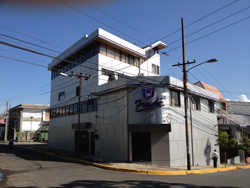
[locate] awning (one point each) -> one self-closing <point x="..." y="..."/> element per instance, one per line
<point x="149" y="127"/>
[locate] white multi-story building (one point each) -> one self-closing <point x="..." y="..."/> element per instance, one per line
<point x="29" y="121"/>
<point x="128" y="111"/>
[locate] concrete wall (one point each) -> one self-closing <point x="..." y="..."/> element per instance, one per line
<point x="112" y="126"/>
<point x="170" y="148"/>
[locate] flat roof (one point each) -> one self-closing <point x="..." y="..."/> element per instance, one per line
<point x="107" y="38"/>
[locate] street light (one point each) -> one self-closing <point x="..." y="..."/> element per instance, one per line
<point x="185" y="89"/>
<point x="186" y="101"/>
<point x="209" y="61"/>
<point x="79" y="78"/>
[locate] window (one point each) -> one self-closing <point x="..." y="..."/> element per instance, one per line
<point x="117" y="54"/>
<point x="130" y="60"/>
<point x="124" y="57"/>
<point x="104" y="71"/>
<point x="76" y="108"/>
<point x="175" y="98"/>
<point x="153" y="68"/>
<point x="77" y="91"/>
<point x="67" y="110"/>
<point x="211" y="106"/>
<point x="63" y="111"/>
<point x="148" y="54"/>
<point x="61" y="96"/>
<point x="196" y="103"/>
<point x="84" y="107"/>
<point x="136" y="62"/>
<point x="157" y="69"/>
<point x="103" y="49"/>
<point x="110" y="52"/>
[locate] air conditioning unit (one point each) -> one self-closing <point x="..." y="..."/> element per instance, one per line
<point x="111" y="77"/>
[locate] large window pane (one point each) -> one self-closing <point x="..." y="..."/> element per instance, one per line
<point x="67" y="110"/>
<point x="136" y="62"/>
<point x="110" y="52"/>
<point x="103" y="49"/>
<point x="71" y="109"/>
<point x="84" y="107"/>
<point x="90" y="53"/>
<point x="63" y="111"/>
<point x="117" y="55"/>
<point x="96" y="50"/>
<point x="130" y="60"/>
<point x="76" y="108"/>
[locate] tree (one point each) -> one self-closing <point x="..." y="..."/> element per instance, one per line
<point x="224" y="142"/>
<point x="245" y="145"/>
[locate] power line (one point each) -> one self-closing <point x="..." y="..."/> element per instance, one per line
<point x="99" y="21"/>
<point x="212" y="32"/>
<point x="118" y="20"/>
<point x="211" y="24"/>
<point x="200" y="19"/>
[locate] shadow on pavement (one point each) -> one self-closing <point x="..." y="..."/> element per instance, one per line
<point x="131" y="183"/>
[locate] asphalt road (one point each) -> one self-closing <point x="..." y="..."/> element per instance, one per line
<point x="24" y="168"/>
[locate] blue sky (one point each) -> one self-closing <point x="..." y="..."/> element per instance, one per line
<point x="59" y="26"/>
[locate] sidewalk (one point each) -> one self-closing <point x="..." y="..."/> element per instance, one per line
<point x="143" y="168"/>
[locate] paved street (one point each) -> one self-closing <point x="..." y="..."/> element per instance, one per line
<point x="25" y="168"/>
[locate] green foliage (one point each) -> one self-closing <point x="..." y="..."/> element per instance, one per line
<point x="223" y="140"/>
<point x="245" y="144"/>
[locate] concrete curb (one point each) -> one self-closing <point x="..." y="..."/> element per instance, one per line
<point x="152" y="172"/>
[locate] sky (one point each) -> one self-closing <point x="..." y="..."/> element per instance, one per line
<point x="213" y="29"/>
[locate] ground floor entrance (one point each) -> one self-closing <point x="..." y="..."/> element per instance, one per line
<point x="86" y="142"/>
<point x="141" y="146"/>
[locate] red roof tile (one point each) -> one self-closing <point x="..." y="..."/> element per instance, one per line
<point x="211" y="88"/>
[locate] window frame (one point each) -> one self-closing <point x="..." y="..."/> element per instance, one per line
<point x="178" y="98"/>
<point x="211" y="106"/>
<point x="61" y="96"/>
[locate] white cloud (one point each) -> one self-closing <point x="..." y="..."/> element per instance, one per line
<point x="243" y="98"/>
<point x="227" y="99"/>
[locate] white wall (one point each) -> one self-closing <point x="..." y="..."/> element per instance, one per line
<point x="175" y="141"/>
<point x="146" y="67"/>
<point x="31" y="126"/>
<point x="35" y="113"/>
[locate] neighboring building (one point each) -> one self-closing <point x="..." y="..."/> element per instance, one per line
<point x="240" y="113"/>
<point x="29" y="122"/>
<point x="228" y="123"/>
<point x="220" y="106"/>
<point x="2" y="126"/>
<point x="124" y="115"/>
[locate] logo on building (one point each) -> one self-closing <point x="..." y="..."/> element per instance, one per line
<point x="148" y="93"/>
<point x="151" y="103"/>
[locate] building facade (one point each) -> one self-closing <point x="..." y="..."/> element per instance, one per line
<point x="128" y="111"/>
<point x="2" y="126"/>
<point x="27" y="121"/>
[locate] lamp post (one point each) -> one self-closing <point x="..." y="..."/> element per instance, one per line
<point x="186" y="91"/>
<point x="79" y="78"/>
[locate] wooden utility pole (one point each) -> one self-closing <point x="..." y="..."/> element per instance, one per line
<point x="7" y="121"/>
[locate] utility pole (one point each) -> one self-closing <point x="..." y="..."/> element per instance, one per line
<point x="185" y="94"/>
<point x="79" y="79"/>
<point x="186" y="91"/>
<point x="6" y="123"/>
